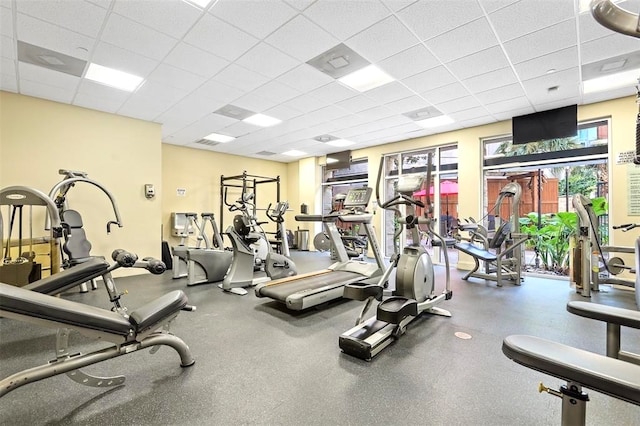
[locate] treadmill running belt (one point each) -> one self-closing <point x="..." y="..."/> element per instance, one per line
<point x="311" y="284"/>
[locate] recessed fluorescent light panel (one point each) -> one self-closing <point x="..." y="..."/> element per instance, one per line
<point x="367" y="78"/>
<point x="294" y="153"/>
<point x="340" y="142"/>
<point x="438" y="121"/>
<point x="262" y="120"/>
<point x="114" y="78"/>
<point x="612" y="81"/>
<point x="217" y="137"/>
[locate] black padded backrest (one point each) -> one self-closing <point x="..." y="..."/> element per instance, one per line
<point x="76" y="245"/>
<point x="241" y="225"/>
<point x="65" y="279"/>
<point x="501" y="234"/>
<point x="158" y="310"/>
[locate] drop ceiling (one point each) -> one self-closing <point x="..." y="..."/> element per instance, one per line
<point x="477" y="61"/>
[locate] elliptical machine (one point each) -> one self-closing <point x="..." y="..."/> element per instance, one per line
<point x="414" y="292"/>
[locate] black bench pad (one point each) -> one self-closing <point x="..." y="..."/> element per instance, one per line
<point x="25" y="302"/>
<point x="475" y="251"/>
<point x="609" y="314"/>
<point x="610" y="376"/>
<point x="57" y="283"/>
<point x="155" y="311"/>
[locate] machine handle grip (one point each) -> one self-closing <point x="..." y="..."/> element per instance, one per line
<point x="155" y="266"/>
<point x="124" y="258"/>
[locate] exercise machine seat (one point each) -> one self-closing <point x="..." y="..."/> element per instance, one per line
<point x="610" y="376"/>
<point x="477" y="252"/>
<point x="28" y="303"/>
<point x="76" y="245"/>
<point x="608" y="314"/>
<point x="396" y="308"/>
<point x="157" y="310"/>
<point x="68" y="278"/>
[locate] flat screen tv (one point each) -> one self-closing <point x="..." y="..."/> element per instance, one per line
<point x="338" y="160"/>
<point x="552" y="124"/>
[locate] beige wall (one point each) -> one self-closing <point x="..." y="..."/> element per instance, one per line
<point x="38" y="137"/>
<point x="198" y="172"/>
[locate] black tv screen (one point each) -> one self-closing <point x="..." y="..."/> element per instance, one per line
<point x="338" y="160"/>
<point x="552" y="124"/>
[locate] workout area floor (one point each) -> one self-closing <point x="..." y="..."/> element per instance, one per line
<point x="257" y="363"/>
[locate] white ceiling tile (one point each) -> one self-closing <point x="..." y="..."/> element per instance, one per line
<point x="344" y="19"/>
<point x="527" y="16"/>
<point x="44" y="91"/>
<point x="558" y="104"/>
<point x="384" y="39"/>
<point x="175" y="77"/>
<point x="66" y="14"/>
<point x="240" y="78"/>
<point x="357" y="103"/>
<point x="105" y="4"/>
<point x="376" y="113"/>
<point x="590" y="29"/>
<point x="112" y="56"/>
<point x="137" y="38"/>
<point x="609" y="46"/>
<point x="409" y="62"/>
<point x="172" y="17"/>
<point x="7" y="47"/>
<point x="146" y="104"/>
<point x="47" y="76"/>
<point x="611" y="94"/>
<point x="305" y="103"/>
<point x="102" y="98"/>
<point x="491" y="80"/>
<point x="561" y="60"/>
<point x="503" y="93"/>
<point x="333" y="92"/>
<point x="8" y="83"/>
<point x="218" y="37"/>
<point x="305" y="78"/>
<point x="567" y="81"/>
<point x="477" y="121"/>
<point x="189" y="110"/>
<point x="492" y="5"/>
<point x="7" y="66"/>
<point x="267" y="61"/>
<point x="347" y="121"/>
<point x="6" y="22"/>
<point x="328" y="113"/>
<point x="300" y="4"/>
<point x="301" y="39"/>
<point x="396" y="5"/>
<point x="557" y="37"/>
<point x="508" y="115"/>
<point x="221" y="92"/>
<point x="479" y="63"/>
<point x="162" y="95"/>
<point x="508" y="105"/>
<point x="457" y="105"/>
<point x="276" y="92"/>
<point x="429" y="80"/>
<point x="446" y="93"/>
<point x="53" y="37"/>
<point x="408" y="104"/>
<point x="204" y="126"/>
<point x="458" y="43"/>
<point x="431" y="18"/>
<point x="253" y="102"/>
<point x="195" y="60"/>
<point x="283" y="112"/>
<point x="258" y="18"/>
<point x="389" y="92"/>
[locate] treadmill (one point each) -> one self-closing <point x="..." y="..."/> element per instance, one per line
<point x="303" y="291"/>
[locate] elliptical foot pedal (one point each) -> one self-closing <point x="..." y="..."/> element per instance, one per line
<point x="235" y="290"/>
<point x="395" y="309"/>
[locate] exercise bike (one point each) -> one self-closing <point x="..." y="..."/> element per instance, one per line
<point x="414" y="292"/>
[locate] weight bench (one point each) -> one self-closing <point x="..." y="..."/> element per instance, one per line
<point x="69" y="278"/>
<point x="579" y="368"/>
<point x="614" y="317"/>
<point x="138" y="330"/>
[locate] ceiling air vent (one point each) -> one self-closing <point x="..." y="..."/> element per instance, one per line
<point x="265" y="153"/>
<point x="207" y="142"/>
<point x="45" y="58"/>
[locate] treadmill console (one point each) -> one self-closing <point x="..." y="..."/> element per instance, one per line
<point x="357" y="198"/>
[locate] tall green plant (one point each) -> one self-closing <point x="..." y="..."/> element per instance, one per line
<point x="551" y="240"/>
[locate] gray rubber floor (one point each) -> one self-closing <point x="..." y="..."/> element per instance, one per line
<point x="260" y="364"/>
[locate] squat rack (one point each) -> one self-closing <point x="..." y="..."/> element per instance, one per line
<point x="248" y="183"/>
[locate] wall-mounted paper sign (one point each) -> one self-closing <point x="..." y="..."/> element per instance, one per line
<point x="181" y="192"/>
<point x="633" y="188"/>
<point x="625" y="157"/>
